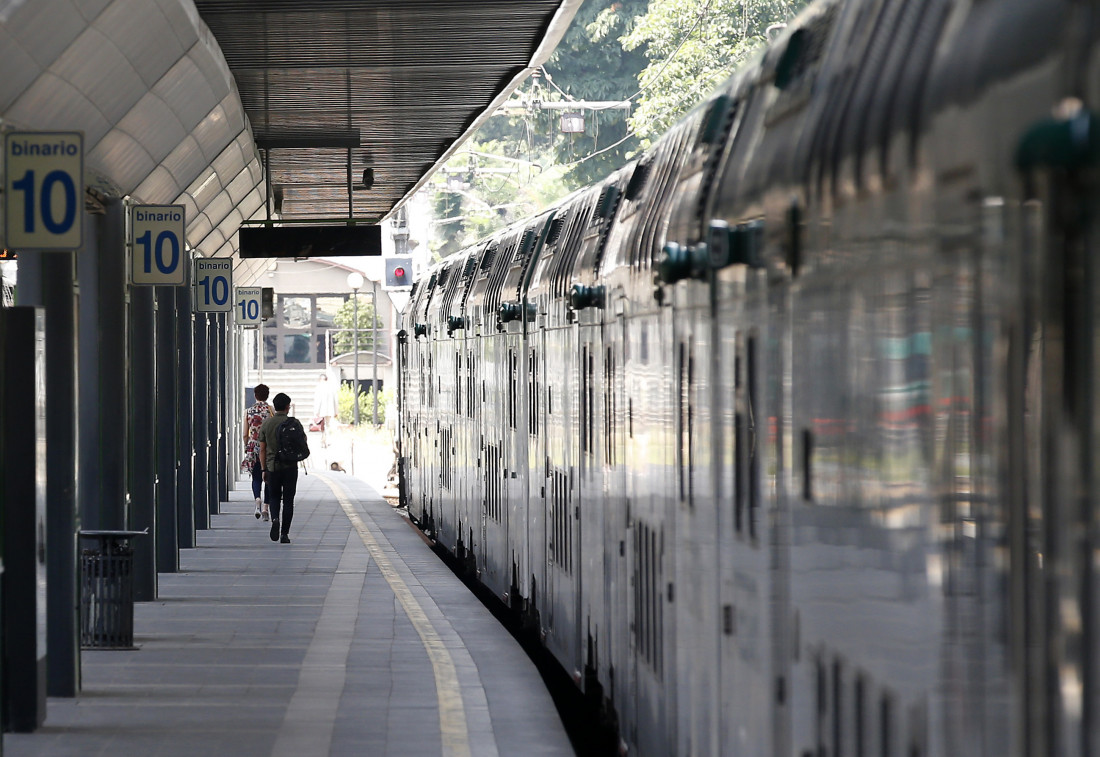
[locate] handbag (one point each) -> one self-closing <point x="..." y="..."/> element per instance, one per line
<point x="317" y="424"/>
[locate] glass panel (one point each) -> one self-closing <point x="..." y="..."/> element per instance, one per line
<point x="296" y="312"/>
<point x="319" y="339"/>
<point x="271" y="349"/>
<point x="296" y="348"/>
<point x="327" y="308"/>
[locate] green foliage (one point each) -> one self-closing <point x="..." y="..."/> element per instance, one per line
<point x="674" y="51"/>
<point x="591" y="64"/>
<point x="694" y="45"/>
<point x="536" y="163"/>
<point x="345" y="409"/>
<point x="345" y="319"/>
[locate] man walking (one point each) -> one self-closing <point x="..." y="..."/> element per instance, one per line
<point x="281" y="477"/>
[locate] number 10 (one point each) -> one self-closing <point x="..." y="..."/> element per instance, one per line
<point x="250" y="310"/>
<point x="26" y="186"/>
<point x="219" y="289"/>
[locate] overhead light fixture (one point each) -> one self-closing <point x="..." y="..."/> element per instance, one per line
<point x="368" y="180"/>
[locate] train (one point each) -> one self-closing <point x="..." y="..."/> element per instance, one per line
<point x="782" y="437"/>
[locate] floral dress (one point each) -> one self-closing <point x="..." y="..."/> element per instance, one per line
<point x="254" y="418"/>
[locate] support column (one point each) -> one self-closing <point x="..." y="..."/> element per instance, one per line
<point x="143" y="417"/>
<point x="200" y="394"/>
<point x="103" y="354"/>
<point x="49" y="280"/>
<point x="167" y="430"/>
<point x="23" y="506"/>
<point x="215" y="364"/>
<point x="185" y="381"/>
<point x="224" y="394"/>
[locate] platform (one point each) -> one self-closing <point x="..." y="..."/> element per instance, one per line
<point x="355" y="639"/>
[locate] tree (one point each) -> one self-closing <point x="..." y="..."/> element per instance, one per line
<point x="345" y="319"/>
<point x="591" y="63"/>
<point x="692" y="46"/>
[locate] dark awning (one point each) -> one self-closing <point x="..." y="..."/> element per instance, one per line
<point x="385" y="85"/>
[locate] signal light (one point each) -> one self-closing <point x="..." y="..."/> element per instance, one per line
<point x="398" y="273"/>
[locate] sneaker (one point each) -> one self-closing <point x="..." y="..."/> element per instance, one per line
<point x="284" y="539"/>
<point x="258" y="513"/>
<point x="274" y="529"/>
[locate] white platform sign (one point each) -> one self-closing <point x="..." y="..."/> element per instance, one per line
<point x="44" y="190"/>
<point x="247" y="311"/>
<point x="157" y="242"/>
<point x="213" y="285"/>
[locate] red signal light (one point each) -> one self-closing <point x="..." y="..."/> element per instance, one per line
<point x="399" y="271"/>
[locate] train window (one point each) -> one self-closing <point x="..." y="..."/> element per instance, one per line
<point x="585" y="415"/>
<point x="838" y="710"/>
<point x="690" y="431"/>
<point x="533" y="394"/>
<point x="859" y="704"/>
<point x="807" y="464"/>
<point x="681" y="368"/>
<point x="471" y="385"/>
<point x="590" y="402"/>
<point x="738" y="475"/>
<point x="821" y="709"/>
<point x="885" y="728"/>
<point x="753" y="480"/>
<point x="512" y="388"/>
<point x="609" y="407"/>
<point x="458" y="383"/>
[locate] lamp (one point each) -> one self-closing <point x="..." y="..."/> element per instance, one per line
<point x="355" y="281"/>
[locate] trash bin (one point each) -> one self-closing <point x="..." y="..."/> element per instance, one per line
<point x="107" y="590"/>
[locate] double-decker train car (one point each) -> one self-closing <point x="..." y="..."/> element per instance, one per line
<point x="782" y="437"/>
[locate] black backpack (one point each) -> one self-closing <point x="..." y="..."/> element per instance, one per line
<point x="293" y="446"/>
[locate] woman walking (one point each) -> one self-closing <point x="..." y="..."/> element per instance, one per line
<point x="254" y="417"/>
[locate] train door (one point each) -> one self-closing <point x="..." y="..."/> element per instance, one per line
<point x="538" y="467"/>
<point x="517" y="486"/>
<point x="590" y="504"/>
<point x="617" y="526"/>
<point x="563" y="530"/>
<point x="652" y="498"/>
<point x="693" y="594"/>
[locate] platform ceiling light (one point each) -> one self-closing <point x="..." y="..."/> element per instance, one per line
<point x="368" y="180"/>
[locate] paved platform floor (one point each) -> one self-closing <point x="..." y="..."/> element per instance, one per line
<point x="352" y="640"/>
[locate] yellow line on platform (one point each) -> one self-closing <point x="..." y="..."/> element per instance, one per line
<point x="452" y="712"/>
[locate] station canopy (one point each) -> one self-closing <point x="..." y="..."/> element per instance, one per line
<point x="352" y="104"/>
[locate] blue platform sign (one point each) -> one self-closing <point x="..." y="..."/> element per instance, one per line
<point x="157" y="244"/>
<point x="213" y="285"/>
<point x="43" y="190"/>
<point x="248" y="309"/>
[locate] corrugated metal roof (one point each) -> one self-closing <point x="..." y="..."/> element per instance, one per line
<point x="408" y="77"/>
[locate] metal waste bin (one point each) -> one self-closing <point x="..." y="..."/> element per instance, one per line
<point x="107" y="590"/>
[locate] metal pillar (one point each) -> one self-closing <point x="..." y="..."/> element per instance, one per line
<point x="374" y="351"/>
<point x="103" y="358"/>
<point x="48" y="280"/>
<point x="185" y="415"/>
<point x="200" y="437"/>
<point x="355" y="349"/>
<point x="23" y="503"/>
<point x="224" y="395"/>
<point x="142" y="415"/>
<point x="215" y="463"/>
<point x="167" y="433"/>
